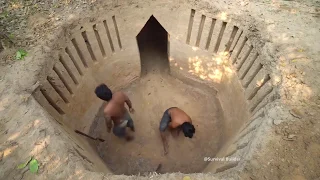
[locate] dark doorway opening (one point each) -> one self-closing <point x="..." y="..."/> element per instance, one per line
<point x="153" y="47"/>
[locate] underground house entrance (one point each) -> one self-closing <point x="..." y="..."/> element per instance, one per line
<point x="153" y="47"/>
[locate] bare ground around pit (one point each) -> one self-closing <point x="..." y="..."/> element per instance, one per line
<point x="294" y="151"/>
<point x="150" y="97"/>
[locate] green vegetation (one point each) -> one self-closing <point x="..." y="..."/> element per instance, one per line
<point x="33" y="165"/>
<point x="23" y="165"/>
<point x="4" y="14"/>
<point x="21" y="54"/>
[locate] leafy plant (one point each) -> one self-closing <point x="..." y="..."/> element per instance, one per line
<point x="23" y="165"/>
<point x="4" y="14"/>
<point x="11" y="36"/>
<point x="33" y="165"/>
<point x="21" y="54"/>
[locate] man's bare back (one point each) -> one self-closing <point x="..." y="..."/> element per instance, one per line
<point x="178" y="117"/>
<point x="175" y="118"/>
<point x="115" y="108"/>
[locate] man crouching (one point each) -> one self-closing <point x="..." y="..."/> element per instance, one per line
<point x="175" y="119"/>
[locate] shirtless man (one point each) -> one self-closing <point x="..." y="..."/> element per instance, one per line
<point x="116" y="112"/>
<point x="175" y="118"/>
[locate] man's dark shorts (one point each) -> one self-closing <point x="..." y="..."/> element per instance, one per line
<point x="120" y="130"/>
<point x="165" y="120"/>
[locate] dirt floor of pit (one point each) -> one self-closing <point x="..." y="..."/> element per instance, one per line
<point x="150" y="97"/>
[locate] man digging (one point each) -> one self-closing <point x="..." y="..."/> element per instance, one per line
<point x="177" y="120"/>
<point x="116" y="112"/>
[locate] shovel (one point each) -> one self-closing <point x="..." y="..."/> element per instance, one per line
<point x="86" y="135"/>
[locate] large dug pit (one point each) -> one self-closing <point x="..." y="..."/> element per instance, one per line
<point x="158" y="68"/>
<point x="217" y="68"/>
